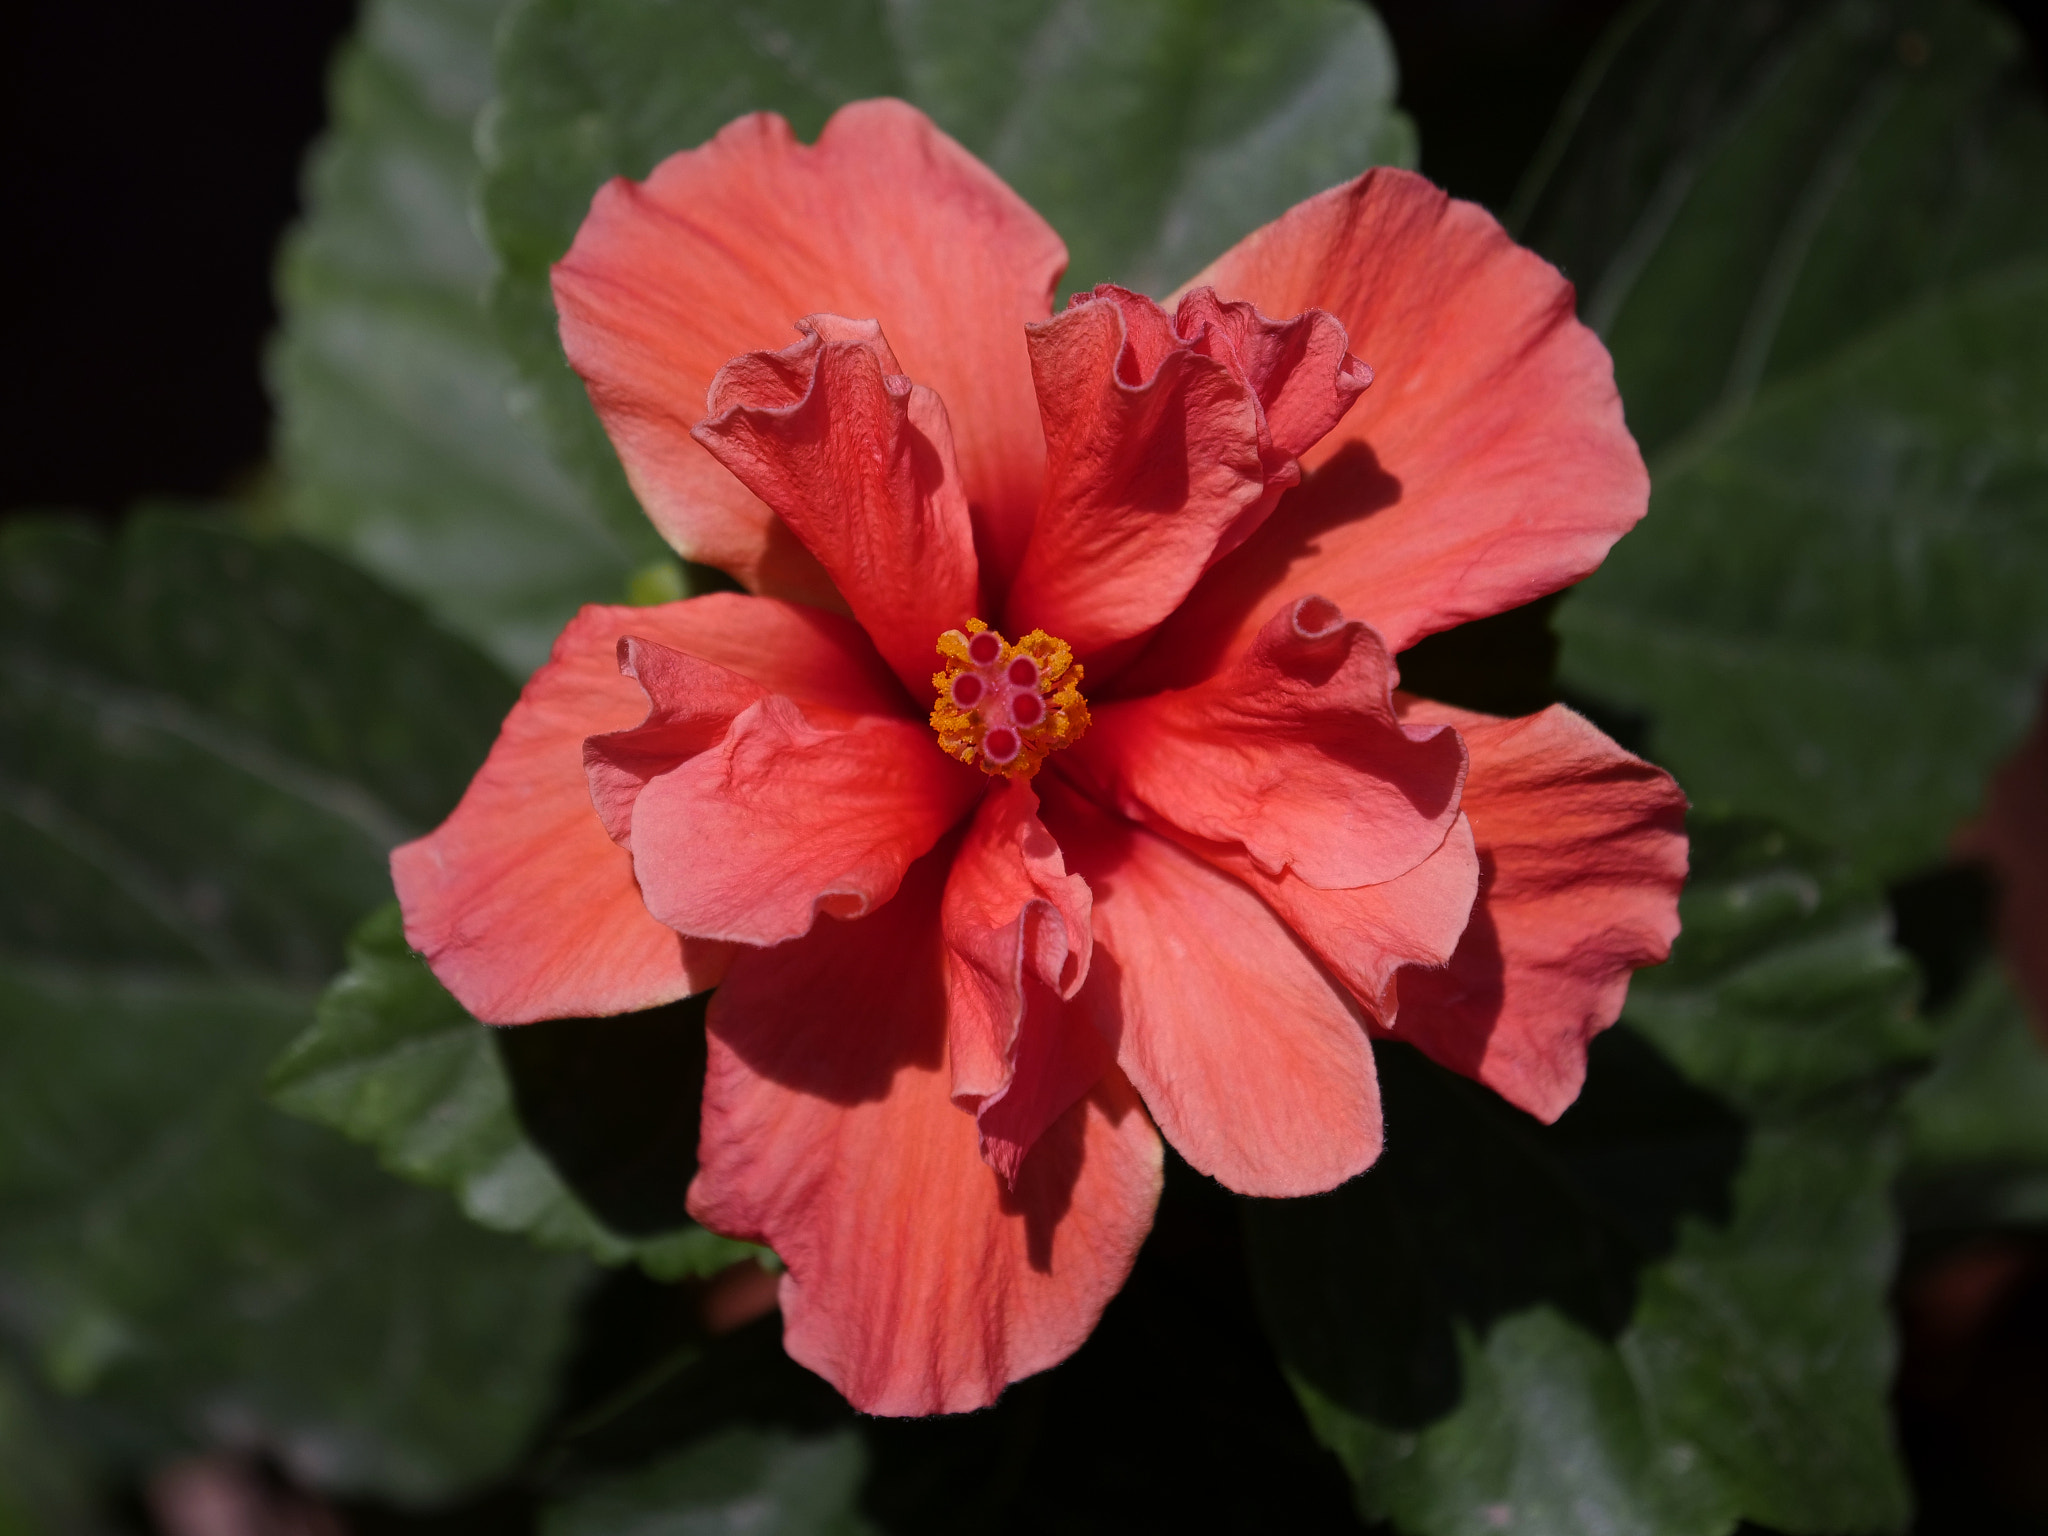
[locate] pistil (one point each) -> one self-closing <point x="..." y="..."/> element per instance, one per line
<point x="1004" y="707"/>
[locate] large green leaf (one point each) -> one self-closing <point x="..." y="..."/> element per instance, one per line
<point x="211" y="741"/>
<point x="1664" y="1313"/>
<point x="398" y="427"/>
<point x="175" y="1246"/>
<point x="1816" y="239"/>
<point x="394" y="1061"/>
<point x="1152" y="133"/>
<point x="208" y="741"/>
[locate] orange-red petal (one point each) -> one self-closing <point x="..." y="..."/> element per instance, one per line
<point x="1018" y="944"/>
<point x="725" y="246"/>
<point x="788" y="817"/>
<point x="1489" y="463"/>
<point x="1369" y="934"/>
<point x="858" y="462"/>
<point x="1293" y="753"/>
<point x="917" y="1281"/>
<point x="1582" y="852"/>
<point x="521" y="903"/>
<point x="691" y="704"/>
<point x="1168" y="439"/>
<point x="1252" y="1061"/>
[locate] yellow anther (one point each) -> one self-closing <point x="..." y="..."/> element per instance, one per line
<point x="1004" y="707"/>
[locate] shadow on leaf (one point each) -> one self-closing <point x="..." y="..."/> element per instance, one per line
<point x="614" y="1104"/>
<point x="1475" y="1212"/>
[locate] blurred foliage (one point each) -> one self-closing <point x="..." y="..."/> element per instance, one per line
<point x="47" y="1485"/>
<point x="400" y="429"/>
<point x="1979" y="1121"/>
<point x="210" y="740"/>
<point x="1816" y="239"/>
<point x="394" y="1061"/>
<point x="763" y="1482"/>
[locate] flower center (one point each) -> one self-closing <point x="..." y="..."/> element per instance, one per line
<point x="1003" y="707"/>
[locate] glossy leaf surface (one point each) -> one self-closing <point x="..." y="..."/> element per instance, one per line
<point x="207" y="742"/>
<point x="394" y="1061"/>
<point x="1816" y="239"/>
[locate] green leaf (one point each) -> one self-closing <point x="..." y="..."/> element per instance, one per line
<point x="177" y="1248"/>
<point x="1659" y="1315"/>
<point x="1152" y="133"/>
<point x="1978" y="1123"/>
<point x="1784" y="985"/>
<point x="208" y="741"/>
<point x="400" y="431"/>
<point x="394" y="1061"/>
<point x="47" y="1481"/>
<point x="761" y="1481"/>
<point x="1816" y="240"/>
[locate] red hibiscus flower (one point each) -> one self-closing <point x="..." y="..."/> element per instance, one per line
<point x="1051" y="785"/>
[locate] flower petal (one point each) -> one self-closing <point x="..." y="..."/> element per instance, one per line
<point x="691" y="705"/>
<point x="1167" y="441"/>
<point x="1582" y="853"/>
<point x="787" y="817"/>
<point x="858" y="463"/>
<point x="1018" y="942"/>
<point x="766" y="647"/>
<point x="522" y="905"/>
<point x="917" y="1282"/>
<point x="1255" y="1065"/>
<point x="724" y="246"/>
<point x="1369" y="934"/>
<point x="1294" y="752"/>
<point x="1488" y="465"/>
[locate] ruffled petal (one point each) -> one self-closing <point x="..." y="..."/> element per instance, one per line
<point x="1293" y="753"/>
<point x="691" y="705"/>
<point x="917" y="1281"/>
<point x="1256" y="1067"/>
<point x="1018" y="943"/>
<point x="787" y="817"/>
<point x="1367" y="936"/>
<point x="723" y="247"/>
<point x="858" y="463"/>
<point x="522" y="905"/>
<point x="1488" y="465"/>
<point x="1582" y="853"/>
<point x="763" y="646"/>
<point x="1168" y="440"/>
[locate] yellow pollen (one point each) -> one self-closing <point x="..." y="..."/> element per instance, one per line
<point x="1004" y="707"/>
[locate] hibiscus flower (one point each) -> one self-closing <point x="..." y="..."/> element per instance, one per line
<point x="1049" y="790"/>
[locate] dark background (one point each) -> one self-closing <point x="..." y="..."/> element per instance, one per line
<point x="149" y="161"/>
